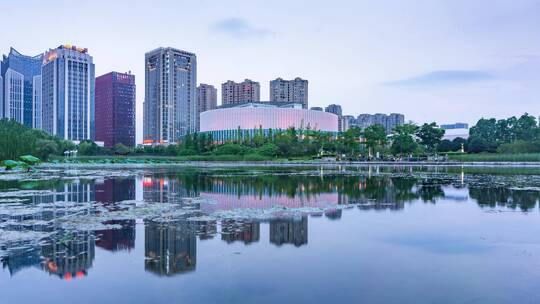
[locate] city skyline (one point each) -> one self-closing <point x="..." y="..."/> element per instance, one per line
<point x="456" y="69"/>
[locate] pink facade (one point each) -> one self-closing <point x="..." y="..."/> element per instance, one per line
<point x="248" y="118"/>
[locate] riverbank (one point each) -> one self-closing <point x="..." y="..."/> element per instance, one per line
<point x="287" y="163"/>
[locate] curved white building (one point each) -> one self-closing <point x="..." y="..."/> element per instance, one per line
<point x="225" y="122"/>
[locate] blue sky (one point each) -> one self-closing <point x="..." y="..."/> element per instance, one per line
<point x="433" y="60"/>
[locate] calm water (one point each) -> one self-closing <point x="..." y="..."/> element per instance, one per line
<point x="271" y="235"/>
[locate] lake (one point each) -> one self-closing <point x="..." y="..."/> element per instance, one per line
<point x="367" y="234"/>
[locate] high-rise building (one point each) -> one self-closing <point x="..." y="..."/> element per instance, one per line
<point x="288" y="91"/>
<point x="246" y="91"/>
<point x="393" y="120"/>
<point x="389" y="122"/>
<point x="336" y="109"/>
<point x="206" y="98"/>
<point x="68" y="93"/>
<point x="347" y="121"/>
<point x="115" y="109"/>
<point x="170" y="105"/>
<point x="364" y="120"/>
<point x="20" y="88"/>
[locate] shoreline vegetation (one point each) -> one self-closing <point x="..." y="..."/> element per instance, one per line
<point x="512" y="140"/>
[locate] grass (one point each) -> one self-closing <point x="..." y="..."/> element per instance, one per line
<point x="496" y="157"/>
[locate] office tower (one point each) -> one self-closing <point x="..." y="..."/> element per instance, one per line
<point x="206" y="98"/>
<point x="336" y="109"/>
<point x="316" y="109"/>
<point x="170" y="105"/>
<point x="68" y="93"/>
<point x="289" y="91"/>
<point x="115" y="109"/>
<point x="20" y="88"/>
<point x="247" y="91"/>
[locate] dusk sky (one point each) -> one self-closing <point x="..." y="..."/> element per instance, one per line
<point x="443" y="61"/>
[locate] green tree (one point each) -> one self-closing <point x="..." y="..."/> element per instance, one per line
<point x="430" y="136"/>
<point x="46" y="147"/>
<point x="350" y="140"/>
<point x="526" y="128"/>
<point x="375" y="136"/>
<point x="403" y="141"/>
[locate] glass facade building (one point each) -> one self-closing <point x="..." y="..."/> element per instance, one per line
<point x="251" y="118"/>
<point x="170" y="104"/>
<point x="115" y="109"/>
<point x="20" y="88"/>
<point x="68" y="93"/>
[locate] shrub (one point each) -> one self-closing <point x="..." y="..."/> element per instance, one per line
<point x="520" y="146"/>
<point x="256" y="157"/>
<point x="231" y="149"/>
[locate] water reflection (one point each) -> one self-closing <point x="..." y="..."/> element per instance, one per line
<point x="240" y="230"/>
<point x="69" y="257"/>
<point x="289" y="231"/>
<point x="170" y="248"/>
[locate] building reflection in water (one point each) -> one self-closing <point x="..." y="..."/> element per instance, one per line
<point x="113" y="190"/>
<point x="117" y="239"/>
<point x="169" y="248"/>
<point x="70" y="256"/>
<point x="240" y="230"/>
<point x="333" y="214"/>
<point x="160" y="189"/>
<point x="110" y="191"/>
<point x="289" y="231"/>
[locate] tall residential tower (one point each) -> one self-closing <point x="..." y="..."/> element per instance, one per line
<point x="206" y="98"/>
<point x="170" y="105"/>
<point x="115" y="109"/>
<point x="289" y="91"/>
<point x="68" y="93"/>
<point x="246" y="91"/>
<point x="20" y="88"/>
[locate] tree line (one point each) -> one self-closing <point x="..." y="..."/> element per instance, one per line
<point x="511" y="135"/>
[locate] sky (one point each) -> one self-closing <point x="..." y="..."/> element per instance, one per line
<point x="432" y="60"/>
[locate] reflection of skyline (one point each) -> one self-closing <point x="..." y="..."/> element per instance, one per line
<point x="117" y="239"/>
<point x="71" y="256"/>
<point x="113" y="190"/>
<point x="169" y="248"/>
<point x="159" y="189"/>
<point x="245" y="231"/>
<point x="289" y="231"/>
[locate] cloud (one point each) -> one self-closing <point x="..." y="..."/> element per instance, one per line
<point x="445" y="77"/>
<point x="240" y="29"/>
